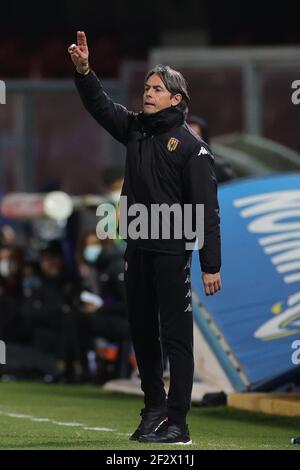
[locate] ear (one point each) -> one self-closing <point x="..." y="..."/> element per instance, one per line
<point x="176" y="99"/>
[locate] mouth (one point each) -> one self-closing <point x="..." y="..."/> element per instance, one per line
<point x="147" y="103"/>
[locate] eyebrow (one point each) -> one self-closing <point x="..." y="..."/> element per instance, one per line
<point x="154" y="86"/>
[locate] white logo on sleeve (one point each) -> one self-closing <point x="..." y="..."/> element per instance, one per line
<point x="203" y="151"/>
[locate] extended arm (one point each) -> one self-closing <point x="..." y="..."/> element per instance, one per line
<point x="113" y="117"/>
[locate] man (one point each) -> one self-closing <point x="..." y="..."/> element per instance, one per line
<point x="48" y="312"/>
<point x="223" y="169"/>
<point x="165" y="164"/>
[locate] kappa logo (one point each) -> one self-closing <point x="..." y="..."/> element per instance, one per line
<point x="203" y="151"/>
<point x="172" y="144"/>
<point x="188" y="265"/>
<point x="189" y="294"/>
<point x="189" y="308"/>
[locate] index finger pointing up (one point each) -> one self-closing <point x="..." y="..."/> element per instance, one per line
<point x="81" y="38"/>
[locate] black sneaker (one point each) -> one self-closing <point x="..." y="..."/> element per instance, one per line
<point x="151" y="418"/>
<point x="168" y="433"/>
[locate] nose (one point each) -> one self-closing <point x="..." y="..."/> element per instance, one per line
<point x="148" y="94"/>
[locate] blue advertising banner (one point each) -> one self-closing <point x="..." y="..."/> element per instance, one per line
<point x="258" y="309"/>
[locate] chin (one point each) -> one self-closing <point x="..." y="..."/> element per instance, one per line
<point x="149" y="111"/>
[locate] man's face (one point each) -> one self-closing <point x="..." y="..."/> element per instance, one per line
<point x="9" y="263"/>
<point x="157" y="97"/>
<point x="51" y="265"/>
<point x="196" y="128"/>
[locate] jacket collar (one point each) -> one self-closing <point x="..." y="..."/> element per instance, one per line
<point x="162" y="121"/>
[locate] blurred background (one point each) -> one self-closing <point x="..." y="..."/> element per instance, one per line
<point x="47" y="137"/>
<point x="63" y="313"/>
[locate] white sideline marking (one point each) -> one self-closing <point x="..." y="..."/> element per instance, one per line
<point x="58" y="423"/>
<point x="87" y="428"/>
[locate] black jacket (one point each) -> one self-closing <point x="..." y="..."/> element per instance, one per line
<point x="160" y="170"/>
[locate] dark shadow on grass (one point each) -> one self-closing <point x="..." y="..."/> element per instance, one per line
<point x="249" y="417"/>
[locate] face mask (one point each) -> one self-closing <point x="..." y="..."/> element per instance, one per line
<point x="92" y="252"/>
<point x="7" y="268"/>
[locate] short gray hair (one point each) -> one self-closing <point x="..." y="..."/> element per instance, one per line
<point x="174" y="83"/>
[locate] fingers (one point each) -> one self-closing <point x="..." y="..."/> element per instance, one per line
<point x="81" y="39"/>
<point x="76" y="53"/>
<point x="217" y="286"/>
<point x="211" y="285"/>
<point x="209" y="288"/>
<point x="72" y="52"/>
<point x="72" y="48"/>
<point x="74" y="56"/>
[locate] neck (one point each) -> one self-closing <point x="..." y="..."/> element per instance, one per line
<point x="162" y="121"/>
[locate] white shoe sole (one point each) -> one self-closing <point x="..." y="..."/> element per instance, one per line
<point x="180" y="443"/>
<point x="170" y="443"/>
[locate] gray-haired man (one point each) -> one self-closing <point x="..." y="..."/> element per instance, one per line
<point x="166" y="164"/>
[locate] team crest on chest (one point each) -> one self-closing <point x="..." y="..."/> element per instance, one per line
<point x="172" y="144"/>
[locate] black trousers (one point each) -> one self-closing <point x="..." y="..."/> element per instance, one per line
<point x="159" y="303"/>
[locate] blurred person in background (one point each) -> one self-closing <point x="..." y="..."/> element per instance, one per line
<point x="199" y="125"/>
<point x="49" y="313"/>
<point x="14" y="329"/>
<point x="8" y="235"/>
<point x="223" y="169"/>
<point x="113" y="179"/>
<point x="31" y="280"/>
<point x="31" y="277"/>
<point x="11" y="261"/>
<point x="101" y="268"/>
<point x="89" y="250"/>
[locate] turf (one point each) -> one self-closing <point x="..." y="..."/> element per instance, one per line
<point x="211" y="428"/>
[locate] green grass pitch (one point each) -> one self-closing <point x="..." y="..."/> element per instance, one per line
<point x="37" y="416"/>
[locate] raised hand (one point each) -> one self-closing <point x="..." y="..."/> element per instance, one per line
<point x="80" y="53"/>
